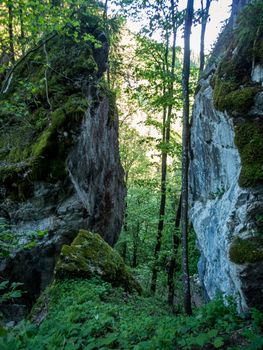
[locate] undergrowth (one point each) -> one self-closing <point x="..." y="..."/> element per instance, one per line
<point x="90" y="314"/>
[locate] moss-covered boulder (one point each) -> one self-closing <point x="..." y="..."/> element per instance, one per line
<point x="88" y="256"/>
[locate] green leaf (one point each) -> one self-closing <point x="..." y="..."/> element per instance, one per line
<point x="201" y="339"/>
<point x="15" y="294"/>
<point x="212" y="333"/>
<point x="3" y="285"/>
<point x="30" y="245"/>
<point x="218" y="342"/>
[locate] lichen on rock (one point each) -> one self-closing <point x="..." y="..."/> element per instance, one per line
<point x="89" y="256"/>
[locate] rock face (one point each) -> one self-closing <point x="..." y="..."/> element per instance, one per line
<point x="90" y="256"/>
<point x="60" y="169"/>
<point x="226" y="168"/>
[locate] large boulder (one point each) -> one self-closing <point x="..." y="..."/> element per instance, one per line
<point x="89" y="256"/>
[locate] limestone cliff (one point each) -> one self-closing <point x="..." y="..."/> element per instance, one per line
<point x="60" y="169"/>
<point x="226" y="167"/>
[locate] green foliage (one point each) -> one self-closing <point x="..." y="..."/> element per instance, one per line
<point x="9" y="291"/>
<point x="11" y="241"/>
<point x="92" y="315"/>
<point x="33" y="19"/>
<point x="248" y="250"/>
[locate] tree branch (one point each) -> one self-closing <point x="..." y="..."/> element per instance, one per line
<point x="9" y="75"/>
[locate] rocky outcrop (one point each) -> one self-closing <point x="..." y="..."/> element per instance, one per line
<point x="90" y="256"/>
<point x="60" y="169"/>
<point x="226" y="168"/>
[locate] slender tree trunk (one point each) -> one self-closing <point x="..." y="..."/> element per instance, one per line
<point x="135" y="245"/>
<point x="185" y="156"/>
<point x="162" y="208"/>
<point x="172" y="265"/>
<point x="11" y="31"/>
<point x="125" y="229"/>
<point x="205" y="15"/>
<point x="22" y="29"/>
<point x="105" y="17"/>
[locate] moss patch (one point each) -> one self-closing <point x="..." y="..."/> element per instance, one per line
<point x="88" y="256"/>
<point x="247" y="250"/>
<point x="249" y="140"/>
<point x="233" y="89"/>
<point x="234" y="101"/>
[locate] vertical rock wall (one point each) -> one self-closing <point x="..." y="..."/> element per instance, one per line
<point x="226" y="194"/>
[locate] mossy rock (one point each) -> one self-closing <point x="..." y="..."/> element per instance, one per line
<point x="235" y="101"/>
<point x="233" y="89"/>
<point x="248" y="250"/>
<point x="235" y="92"/>
<point x="249" y="140"/>
<point x="89" y="256"/>
<point x="34" y="134"/>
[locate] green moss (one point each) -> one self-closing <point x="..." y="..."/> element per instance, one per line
<point x="89" y="255"/>
<point x="259" y="52"/>
<point x="248" y="138"/>
<point x="236" y="101"/>
<point x="112" y="106"/>
<point x="30" y="134"/>
<point x="248" y="250"/>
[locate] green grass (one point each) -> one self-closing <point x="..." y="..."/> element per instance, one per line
<point x="90" y="314"/>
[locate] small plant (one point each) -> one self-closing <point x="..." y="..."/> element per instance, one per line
<point x="9" y="291"/>
<point x="11" y="241"/>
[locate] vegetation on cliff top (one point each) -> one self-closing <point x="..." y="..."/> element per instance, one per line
<point x="235" y="92"/>
<point x="38" y="128"/>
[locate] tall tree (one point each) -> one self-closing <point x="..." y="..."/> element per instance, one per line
<point x="167" y="116"/>
<point x="204" y="19"/>
<point x="185" y="156"/>
<point x="11" y="30"/>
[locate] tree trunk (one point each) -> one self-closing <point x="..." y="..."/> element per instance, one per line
<point x="135" y="245"/>
<point x="205" y="15"/>
<point x="22" y="30"/>
<point x="105" y="17"/>
<point x="125" y="229"/>
<point x="11" y="31"/>
<point x="161" y="210"/>
<point x="172" y="265"/>
<point x="185" y="157"/>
